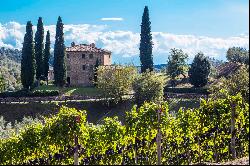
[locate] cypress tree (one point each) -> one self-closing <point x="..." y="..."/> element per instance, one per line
<point x="39" y="52"/>
<point x="199" y="70"/>
<point x="146" y="43"/>
<point x="59" y="55"/>
<point x="28" y="59"/>
<point x="46" y="56"/>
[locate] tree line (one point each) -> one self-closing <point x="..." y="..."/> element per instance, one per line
<point x="35" y="56"/>
<point x="177" y="65"/>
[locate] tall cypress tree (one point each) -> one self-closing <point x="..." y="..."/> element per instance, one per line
<point x="28" y="59"/>
<point x="59" y="55"/>
<point x="46" y="56"/>
<point x="146" y="43"/>
<point x="39" y="52"/>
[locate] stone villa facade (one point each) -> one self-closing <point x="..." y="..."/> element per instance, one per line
<point x="80" y="62"/>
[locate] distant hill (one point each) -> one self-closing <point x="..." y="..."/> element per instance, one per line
<point x="11" y="54"/>
<point x="157" y="68"/>
<point x="10" y="68"/>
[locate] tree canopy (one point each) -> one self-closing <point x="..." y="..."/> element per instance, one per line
<point x="176" y="63"/>
<point x="199" y="71"/>
<point x="238" y="54"/>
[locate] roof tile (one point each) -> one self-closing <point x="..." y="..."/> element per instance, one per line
<point x="86" y="48"/>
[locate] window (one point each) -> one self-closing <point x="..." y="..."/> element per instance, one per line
<point x="109" y="56"/>
<point x="90" y="56"/>
<point x="83" y="67"/>
<point x="67" y="55"/>
<point x="91" y="67"/>
<point x="83" y="56"/>
<point x="68" y="68"/>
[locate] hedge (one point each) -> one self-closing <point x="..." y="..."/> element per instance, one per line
<point x="186" y="90"/>
<point x="23" y="93"/>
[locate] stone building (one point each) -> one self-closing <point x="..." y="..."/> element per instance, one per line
<point x="80" y="61"/>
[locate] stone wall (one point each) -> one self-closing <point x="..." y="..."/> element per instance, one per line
<point x="80" y="67"/>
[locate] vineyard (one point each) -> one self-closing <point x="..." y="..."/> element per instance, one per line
<point x="217" y="131"/>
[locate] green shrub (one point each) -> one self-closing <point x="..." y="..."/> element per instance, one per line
<point x="148" y="87"/>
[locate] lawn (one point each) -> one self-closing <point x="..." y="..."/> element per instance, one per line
<point x="68" y="91"/>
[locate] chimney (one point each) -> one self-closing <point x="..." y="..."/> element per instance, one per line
<point x="92" y="45"/>
<point x="73" y="44"/>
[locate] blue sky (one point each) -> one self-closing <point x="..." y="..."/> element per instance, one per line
<point x="213" y="19"/>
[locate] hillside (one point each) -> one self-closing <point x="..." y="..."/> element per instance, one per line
<point x="10" y="67"/>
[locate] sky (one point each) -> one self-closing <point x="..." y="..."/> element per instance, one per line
<point x="210" y="26"/>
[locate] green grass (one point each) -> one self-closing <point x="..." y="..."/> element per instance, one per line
<point x="68" y="91"/>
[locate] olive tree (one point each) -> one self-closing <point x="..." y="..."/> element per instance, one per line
<point x="115" y="81"/>
<point x="149" y="86"/>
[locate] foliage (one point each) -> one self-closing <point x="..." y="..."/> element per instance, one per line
<point x="190" y="136"/>
<point x="46" y="56"/>
<point x="148" y="87"/>
<point x="39" y="49"/>
<point x="238" y="54"/>
<point x="28" y="58"/>
<point x="146" y="56"/>
<point x="7" y="129"/>
<point x="10" y="71"/>
<point x="2" y="84"/>
<point x="24" y="93"/>
<point x="236" y="83"/>
<point x="115" y="81"/>
<point x="199" y="71"/>
<point x="59" y="55"/>
<point x="176" y="64"/>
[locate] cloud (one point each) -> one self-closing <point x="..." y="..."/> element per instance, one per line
<point x="125" y="44"/>
<point x="112" y="19"/>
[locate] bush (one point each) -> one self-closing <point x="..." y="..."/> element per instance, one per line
<point x="199" y="71"/>
<point x="115" y="81"/>
<point x="24" y="93"/>
<point x="148" y="87"/>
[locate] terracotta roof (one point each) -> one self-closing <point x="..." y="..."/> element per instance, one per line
<point x="86" y="48"/>
<point x="227" y="69"/>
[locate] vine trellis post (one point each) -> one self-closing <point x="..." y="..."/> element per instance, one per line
<point x="233" y="131"/>
<point x="76" y="157"/>
<point x="158" y="138"/>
